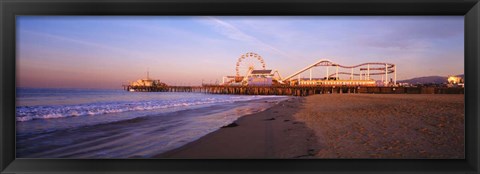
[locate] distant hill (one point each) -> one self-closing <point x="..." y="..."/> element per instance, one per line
<point x="425" y="80"/>
<point x="428" y="80"/>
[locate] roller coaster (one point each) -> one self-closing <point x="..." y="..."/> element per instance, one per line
<point x="363" y="71"/>
<point x="360" y="75"/>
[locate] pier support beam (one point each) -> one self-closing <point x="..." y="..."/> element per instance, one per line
<point x="395" y="75"/>
<point x="336" y="73"/>
<point x="386" y="74"/>
<point x="327" y="73"/>
<point x="351" y="75"/>
<point x="310" y="74"/>
<point x="299" y="80"/>
<point x="368" y="71"/>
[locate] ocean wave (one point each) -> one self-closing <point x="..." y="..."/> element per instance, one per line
<point x="27" y="113"/>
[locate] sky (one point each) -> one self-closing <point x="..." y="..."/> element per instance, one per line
<point x="108" y="51"/>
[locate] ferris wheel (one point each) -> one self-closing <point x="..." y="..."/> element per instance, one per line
<point x="248" y="62"/>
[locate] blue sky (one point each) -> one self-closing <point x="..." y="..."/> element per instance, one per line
<point x="105" y="52"/>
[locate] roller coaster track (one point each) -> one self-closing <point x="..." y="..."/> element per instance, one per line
<point x="355" y="74"/>
<point x="388" y="68"/>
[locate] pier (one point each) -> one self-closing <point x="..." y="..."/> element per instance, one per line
<point x="257" y="80"/>
<point x="300" y="90"/>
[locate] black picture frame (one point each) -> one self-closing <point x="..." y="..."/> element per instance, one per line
<point x="9" y="9"/>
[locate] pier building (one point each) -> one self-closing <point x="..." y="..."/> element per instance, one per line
<point x="260" y="78"/>
<point x="331" y="82"/>
<point x="145" y="84"/>
<point x="455" y="81"/>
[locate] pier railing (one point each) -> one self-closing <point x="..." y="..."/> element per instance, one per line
<point x="303" y="90"/>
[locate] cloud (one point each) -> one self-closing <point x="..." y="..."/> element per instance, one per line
<point x="178" y="32"/>
<point x="233" y="32"/>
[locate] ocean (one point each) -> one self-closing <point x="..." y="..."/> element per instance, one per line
<point x="92" y="123"/>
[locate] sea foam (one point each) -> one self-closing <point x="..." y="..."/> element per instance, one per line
<point x="27" y="113"/>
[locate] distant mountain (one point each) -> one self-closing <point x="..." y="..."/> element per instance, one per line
<point x="425" y="80"/>
<point x="428" y="80"/>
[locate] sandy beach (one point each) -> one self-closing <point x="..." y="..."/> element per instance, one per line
<point x="341" y="126"/>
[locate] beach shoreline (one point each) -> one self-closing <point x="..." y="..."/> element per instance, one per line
<point x="272" y="133"/>
<point x="396" y="126"/>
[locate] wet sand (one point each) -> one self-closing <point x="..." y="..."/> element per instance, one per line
<point x="342" y="126"/>
<point x="273" y="133"/>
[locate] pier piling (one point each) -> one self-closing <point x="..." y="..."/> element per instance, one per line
<point x="298" y="90"/>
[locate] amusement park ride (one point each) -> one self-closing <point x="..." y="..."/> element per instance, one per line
<point x="250" y="71"/>
<point x="247" y="74"/>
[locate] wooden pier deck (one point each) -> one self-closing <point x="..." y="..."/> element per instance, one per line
<point x="302" y="90"/>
